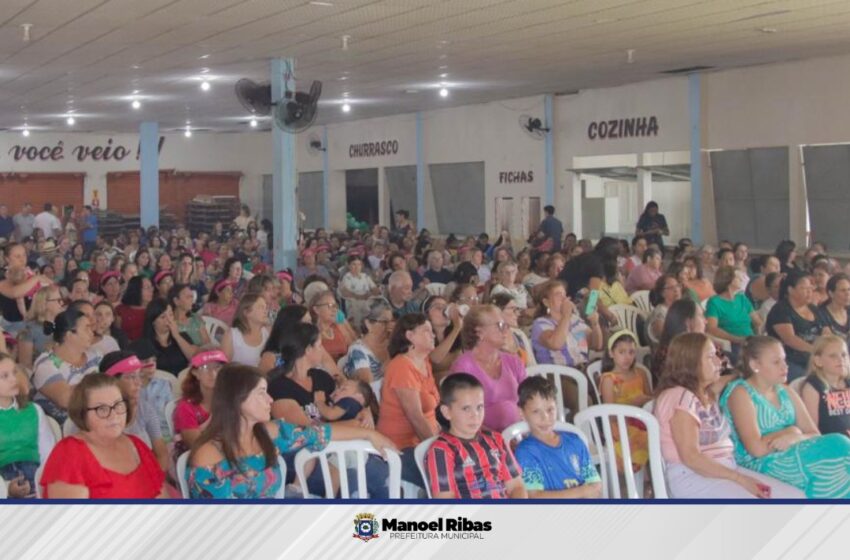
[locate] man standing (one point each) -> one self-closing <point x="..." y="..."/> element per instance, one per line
<point x="88" y="225"/>
<point x="550" y="232"/>
<point x="48" y="223"/>
<point x="24" y="222"/>
<point x="7" y="224"/>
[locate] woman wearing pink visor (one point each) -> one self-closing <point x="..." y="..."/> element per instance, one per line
<point x="192" y="413"/>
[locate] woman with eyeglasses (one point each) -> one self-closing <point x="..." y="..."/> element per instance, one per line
<point x="517" y="344"/>
<point x="192" y="413"/>
<point x="126" y="368"/>
<point x="70" y="360"/>
<point x="366" y="357"/>
<point x="32" y="340"/>
<point x="559" y="335"/>
<point x="666" y="291"/>
<point x="499" y="372"/>
<point x="101" y="461"/>
<point x="336" y="334"/>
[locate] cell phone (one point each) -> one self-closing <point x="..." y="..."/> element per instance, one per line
<point x="592" y="302"/>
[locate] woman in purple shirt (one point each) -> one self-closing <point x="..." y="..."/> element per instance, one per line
<point x="499" y="372"/>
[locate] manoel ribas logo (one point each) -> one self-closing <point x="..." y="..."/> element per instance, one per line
<point x="365" y="527"/>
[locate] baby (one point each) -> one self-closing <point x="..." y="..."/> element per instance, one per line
<point x="346" y="402"/>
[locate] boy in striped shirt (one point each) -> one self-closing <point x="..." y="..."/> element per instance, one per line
<point x="468" y="462"/>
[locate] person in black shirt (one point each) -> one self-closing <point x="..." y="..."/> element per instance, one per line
<point x="653" y="225"/>
<point x="173" y="348"/>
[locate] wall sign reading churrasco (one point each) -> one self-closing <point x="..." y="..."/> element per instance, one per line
<point x="372" y="149"/>
<point x="631" y="127"/>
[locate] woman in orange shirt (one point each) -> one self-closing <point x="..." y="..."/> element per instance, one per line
<point x="336" y="336"/>
<point x="409" y="395"/>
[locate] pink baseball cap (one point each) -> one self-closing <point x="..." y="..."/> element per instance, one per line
<point x="222" y="284"/>
<point x="107" y="275"/>
<point x="208" y="357"/>
<point x="162" y="274"/>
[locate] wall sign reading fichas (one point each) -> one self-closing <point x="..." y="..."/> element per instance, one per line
<point x="516" y="176"/>
<point x="372" y="149"/>
<point x="105" y="152"/>
<point x="623" y="128"/>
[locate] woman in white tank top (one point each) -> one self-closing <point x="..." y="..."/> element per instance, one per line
<point x="244" y="341"/>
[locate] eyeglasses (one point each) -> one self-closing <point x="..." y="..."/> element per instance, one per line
<point x="468" y="299"/>
<point x="330" y="305"/>
<point x="501" y="325"/>
<point x="104" y="411"/>
<point x="513" y="310"/>
<point x="673" y="287"/>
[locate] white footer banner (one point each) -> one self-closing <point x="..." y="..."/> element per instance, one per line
<point x="349" y="532"/>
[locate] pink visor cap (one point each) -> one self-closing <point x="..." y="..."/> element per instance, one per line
<point x="208" y="357"/>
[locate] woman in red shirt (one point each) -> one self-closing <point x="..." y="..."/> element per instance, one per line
<point x="131" y="313"/>
<point x="101" y="462"/>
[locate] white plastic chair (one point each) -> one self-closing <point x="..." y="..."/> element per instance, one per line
<point x="215" y="327"/>
<point x="419" y="453"/>
<point x="38" y="472"/>
<point x="339" y="450"/>
<point x="171" y="378"/>
<point x="641" y="300"/>
<point x="594" y="372"/>
<point x="68" y="427"/>
<point x="517" y="431"/>
<point x="183" y="481"/>
<point x="169" y="416"/>
<point x="436" y="288"/>
<point x="376" y="389"/>
<point x="54" y="427"/>
<point x="797" y="385"/>
<point x="4" y="491"/>
<point x="627" y="316"/>
<point x="601" y="416"/>
<point x="178" y="387"/>
<point x="558" y="373"/>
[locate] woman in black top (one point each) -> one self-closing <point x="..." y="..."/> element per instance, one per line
<point x="786" y="252"/>
<point x="173" y="348"/>
<point x="795" y="321"/>
<point x="652" y="225"/>
<point x="826" y="392"/>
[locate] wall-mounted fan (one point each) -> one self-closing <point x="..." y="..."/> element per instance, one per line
<point x="295" y="112"/>
<point x="533" y="127"/>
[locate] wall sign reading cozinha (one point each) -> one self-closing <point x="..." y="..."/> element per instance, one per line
<point x="372" y="149"/>
<point x="623" y="128"/>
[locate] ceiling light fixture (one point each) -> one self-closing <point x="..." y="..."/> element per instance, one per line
<point x="203" y="57"/>
<point x="188" y="133"/>
<point x="71" y="120"/>
<point x="253" y="122"/>
<point x="136" y="104"/>
<point x="322" y="4"/>
<point x="444" y="92"/>
<point x="26" y="132"/>
<point x="345" y="39"/>
<point x="346" y="107"/>
<point x="27" y="29"/>
<point x="205" y="86"/>
<point x="444" y="75"/>
<point x="768" y="29"/>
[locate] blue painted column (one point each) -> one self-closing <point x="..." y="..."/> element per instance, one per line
<point x="420" y="173"/>
<point x="326" y="181"/>
<point x="149" y="174"/>
<point x="284" y="202"/>
<point x="695" y="110"/>
<point x="548" y="115"/>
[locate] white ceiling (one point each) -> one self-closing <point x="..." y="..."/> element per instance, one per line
<point x="90" y="55"/>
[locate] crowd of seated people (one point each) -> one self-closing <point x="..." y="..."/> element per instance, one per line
<point x="158" y="365"/>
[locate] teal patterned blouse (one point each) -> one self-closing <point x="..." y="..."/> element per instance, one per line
<point x="251" y="479"/>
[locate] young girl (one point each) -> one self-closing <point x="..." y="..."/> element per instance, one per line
<point x="625" y="384"/>
<point x="25" y="437"/>
<point x="347" y="401"/>
<point x="826" y="391"/>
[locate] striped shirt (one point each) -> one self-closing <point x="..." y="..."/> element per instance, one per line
<point x="471" y="469"/>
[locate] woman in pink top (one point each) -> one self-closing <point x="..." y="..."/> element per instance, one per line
<point x="500" y="373"/>
<point x="695" y="440"/>
<point x="644" y="276"/>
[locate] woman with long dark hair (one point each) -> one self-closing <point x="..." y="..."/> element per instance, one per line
<point x="173" y="348"/>
<point x="131" y="312"/>
<point x="652" y="225"/>
<point x="237" y="454"/>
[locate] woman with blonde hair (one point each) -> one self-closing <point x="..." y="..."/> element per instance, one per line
<point x="826" y="390"/>
<point x="32" y="341"/>
<point x="774" y="434"/>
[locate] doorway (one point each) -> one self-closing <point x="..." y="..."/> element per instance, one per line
<point x="361" y="195"/>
